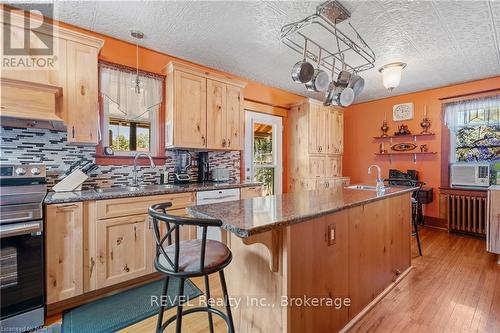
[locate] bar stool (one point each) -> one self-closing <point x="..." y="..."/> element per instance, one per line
<point x="414" y="203"/>
<point x="186" y="259"/>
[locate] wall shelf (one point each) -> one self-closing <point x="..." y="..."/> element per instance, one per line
<point x="414" y="153"/>
<point x="414" y="136"/>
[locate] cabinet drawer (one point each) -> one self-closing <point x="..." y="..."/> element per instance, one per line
<point x="139" y="205"/>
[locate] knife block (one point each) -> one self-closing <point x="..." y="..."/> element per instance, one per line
<point x="71" y="182"/>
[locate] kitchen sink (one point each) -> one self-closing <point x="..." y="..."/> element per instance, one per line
<point x="119" y="189"/>
<point x="365" y="187"/>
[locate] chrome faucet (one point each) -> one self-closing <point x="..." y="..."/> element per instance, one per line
<point x="152" y="165"/>
<point x="380" y="181"/>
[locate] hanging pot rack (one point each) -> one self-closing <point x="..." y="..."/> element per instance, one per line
<point x="328" y="15"/>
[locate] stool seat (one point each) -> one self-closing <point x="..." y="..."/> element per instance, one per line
<point x="216" y="254"/>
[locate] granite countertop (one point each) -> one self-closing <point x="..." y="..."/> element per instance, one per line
<point x="86" y="195"/>
<point x="248" y="217"/>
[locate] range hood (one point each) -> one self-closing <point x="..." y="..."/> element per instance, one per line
<point x="28" y="104"/>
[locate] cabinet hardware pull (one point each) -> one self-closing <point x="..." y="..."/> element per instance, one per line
<point x="229" y="142"/>
<point x="73" y="131"/>
<point x="397" y="271"/>
<point x="126" y="269"/>
<point x="223" y="142"/>
<point x="203" y="139"/>
<point x="67" y="206"/>
<point x="92" y="263"/>
<point x="82" y="90"/>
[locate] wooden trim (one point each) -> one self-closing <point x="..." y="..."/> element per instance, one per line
<point x="464" y="191"/>
<point x="206" y="73"/>
<point x="55" y="308"/>
<point x="126" y="160"/>
<point x="372" y="304"/>
<point x="256" y="106"/>
<point x="435" y="223"/>
<point x="482" y="93"/>
<point x="128" y="69"/>
<point x="445" y="152"/>
<point x="55" y="90"/>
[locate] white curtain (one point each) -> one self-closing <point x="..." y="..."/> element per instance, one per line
<point x="118" y="87"/>
<point x="474" y="112"/>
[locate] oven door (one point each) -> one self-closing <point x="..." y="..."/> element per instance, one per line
<point x="21" y="268"/>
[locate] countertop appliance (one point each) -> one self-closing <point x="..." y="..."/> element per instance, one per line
<point x="211" y="197"/>
<point x="23" y="188"/>
<point x="220" y="175"/>
<point x="203" y="167"/>
<point x="470" y="174"/>
<point x="182" y="164"/>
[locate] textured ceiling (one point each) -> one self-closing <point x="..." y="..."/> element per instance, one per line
<point x="443" y="42"/>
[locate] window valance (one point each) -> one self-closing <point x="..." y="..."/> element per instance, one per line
<point x="474" y="112"/>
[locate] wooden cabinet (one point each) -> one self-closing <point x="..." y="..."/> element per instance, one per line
<point x="217" y="114"/>
<point x="250" y="192"/>
<point x="83" y="110"/>
<point x="187" y="121"/>
<point x="73" y="70"/>
<point x="225" y="112"/>
<point x="235" y="118"/>
<point x="320" y="156"/>
<point x="121" y="240"/>
<point x="204" y="111"/>
<point x="123" y="249"/>
<point x="64" y="251"/>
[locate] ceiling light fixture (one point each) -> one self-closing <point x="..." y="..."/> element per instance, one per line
<point x="391" y="74"/>
<point x="136" y="83"/>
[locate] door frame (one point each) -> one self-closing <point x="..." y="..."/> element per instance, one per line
<point x="251" y="118"/>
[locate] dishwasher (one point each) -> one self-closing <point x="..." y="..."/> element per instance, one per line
<point x="211" y="197"/>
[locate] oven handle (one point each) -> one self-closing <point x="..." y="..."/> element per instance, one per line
<point x="19" y="229"/>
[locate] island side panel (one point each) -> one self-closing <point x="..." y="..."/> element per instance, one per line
<point x="317" y="272"/>
<point x="250" y="278"/>
<point x="379" y="248"/>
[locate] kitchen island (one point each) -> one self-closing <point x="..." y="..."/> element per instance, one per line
<point x="313" y="261"/>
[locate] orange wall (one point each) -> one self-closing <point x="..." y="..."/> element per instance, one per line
<point x="123" y="53"/>
<point x="363" y="121"/>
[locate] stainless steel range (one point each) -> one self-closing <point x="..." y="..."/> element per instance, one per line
<point x="22" y="190"/>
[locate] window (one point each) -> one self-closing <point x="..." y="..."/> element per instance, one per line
<point x="130" y="116"/>
<point x="474" y="130"/>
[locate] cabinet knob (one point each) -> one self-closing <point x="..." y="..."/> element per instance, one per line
<point x="229" y="142"/>
<point x="126" y="269"/>
<point x="82" y="90"/>
<point x="223" y="142"/>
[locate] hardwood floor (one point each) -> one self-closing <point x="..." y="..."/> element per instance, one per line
<point x="454" y="287"/>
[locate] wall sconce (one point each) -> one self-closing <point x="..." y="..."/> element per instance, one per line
<point x="391" y="74"/>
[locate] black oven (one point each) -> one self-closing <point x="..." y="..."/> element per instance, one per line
<point x="22" y="287"/>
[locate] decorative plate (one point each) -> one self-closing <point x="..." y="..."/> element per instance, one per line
<point x="402" y="112"/>
<point x="404" y="146"/>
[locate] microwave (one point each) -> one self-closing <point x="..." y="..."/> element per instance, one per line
<point x="470" y="174"/>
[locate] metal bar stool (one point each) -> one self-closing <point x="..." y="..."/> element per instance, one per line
<point x="186" y="259"/>
<point x="414" y="203"/>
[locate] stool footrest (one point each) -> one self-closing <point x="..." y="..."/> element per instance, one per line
<point x="194" y="310"/>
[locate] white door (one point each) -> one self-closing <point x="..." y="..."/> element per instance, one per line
<point x="263" y="151"/>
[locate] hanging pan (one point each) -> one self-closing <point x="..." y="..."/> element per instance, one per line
<point x="303" y="71"/>
<point x="320" y="79"/>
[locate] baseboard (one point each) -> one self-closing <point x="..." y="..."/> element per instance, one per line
<point x="372" y="304"/>
<point x="435" y="222"/>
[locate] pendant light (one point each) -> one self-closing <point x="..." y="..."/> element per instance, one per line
<point x="136" y="83"/>
<point x="391" y="74"/>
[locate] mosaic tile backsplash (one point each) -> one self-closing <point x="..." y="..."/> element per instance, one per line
<point x="49" y="147"/>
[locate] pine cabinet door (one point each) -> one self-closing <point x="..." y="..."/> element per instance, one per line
<point x="235" y="117"/>
<point x="82" y="106"/>
<point x="190" y="110"/>
<point x="123" y="248"/>
<point x="64" y="251"/>
<point x="313" y="123"/>
<point x="217" y="113"/>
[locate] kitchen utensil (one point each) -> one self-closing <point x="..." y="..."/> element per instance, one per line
<point x="357" y="83"/>
<point x="203" y="167"/>
<point x="330" y="93"/>
<point x="319" y="81"/>
<point x="72" y="167"/>
<point x="344" y="75"/>
<point x="303" y="71"/>
<point x="346" y="97"/>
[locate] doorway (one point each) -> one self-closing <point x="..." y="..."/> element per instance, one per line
<point x="263" y="151"/>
